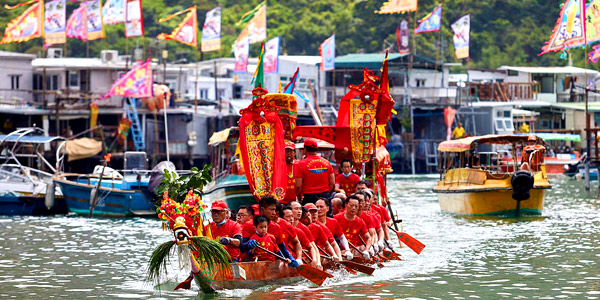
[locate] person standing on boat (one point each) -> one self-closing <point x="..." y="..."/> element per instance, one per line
<point x="224" y="230"/>
<point x="534" y="162"/>
<point x="334" y="228"/>
<point x="353" y="226"/>
<point x="346" y="180"/>
<point x="268" y="208"/>
<point x="315" y="176"/>
<point x="244" y="214"/>
<point x="458" y="132"/>
<point x="290" y="161"/>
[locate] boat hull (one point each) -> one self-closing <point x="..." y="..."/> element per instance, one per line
<point x="30" y="206"/>
<point x="112" y="202"/>
<point x="493" y="202"/>
<point x="257" y="274"/>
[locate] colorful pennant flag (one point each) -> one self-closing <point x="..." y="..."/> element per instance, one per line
<point x="137" y="83"/>
<point x="259" y="75"/>
<point x="186" y="32"/>
<point x="249" y="15"/>
<point x="403" y="37"/>
<point x="134" y="21"/>
<point x="462" y="30"/>
<point x="211" y="31"/>
<point x="289" y="88"/>
<point x="327" y="50"/>
<point x="272" y="56"/>
<point x="256" y="30"/>
<point x="55" y="22"/>
<point x="431" y="22"/>
<point x="113" y="12"/>
<point x="592" y="22"/>
<point x="95" y="28"/>
<point x="27" y="26"/>
<point x="595" y="54"/>
<point x="77" y="23"/>
<point x="449" y="114"/>
<point x="570" y="28"/>
<point x="241" y="52"/>
<point x="397" y="7"/>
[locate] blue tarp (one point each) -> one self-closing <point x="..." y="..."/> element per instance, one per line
<point x="31" y="139"/>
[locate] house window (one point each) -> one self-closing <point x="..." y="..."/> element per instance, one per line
<point x="51" y="82"/>
<point x="73" y="78"/>
<point x="546" y="83"/>
<point x="203" y="94"/>
<point x="221" y="93"/>
<point x="420" y="82"/>
<point x="513" y="73"/>
<point x="14" y="82"/>
<point x="499" y="125"/>
<point x="37" y="81"/>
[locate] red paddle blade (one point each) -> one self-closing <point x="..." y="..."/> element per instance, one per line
<point x="391" y="255"/>
<point x="313" y="274"/>
<point x="411" y="242"/>
<point x="186" y="284"/>
<point x="349" y="270"/>
<point x="358" y="267"/>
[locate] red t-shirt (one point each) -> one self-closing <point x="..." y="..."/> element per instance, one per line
<point x="306" y="231"/>
<point x="229" y="229"/>
<point x="319" y="234"/>
<point x="333" y="226"/>
<point x="290" y="192"/>
<point x="382" y="211"/>
<point x="304" y="241"/>
<point x="248" y="230"/>
<point x="370" y="220"/>
<point x="268" y="242"/>
<point x="288" y="233"/>
<point x="352" y="229"/>
<point x="314" y="171"/>
<point x="327" y="232"/>
<point x="348" y="184"/>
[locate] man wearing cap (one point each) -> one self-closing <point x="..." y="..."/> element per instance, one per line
<point x="322" y="235"/>
<point x="290" y="161"/>
<point x="534" y="149"/>
<point x="224" y="230"/>
<point x="315" y="177"/>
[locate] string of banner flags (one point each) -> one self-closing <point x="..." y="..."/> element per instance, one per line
<point x="577" y="25"/>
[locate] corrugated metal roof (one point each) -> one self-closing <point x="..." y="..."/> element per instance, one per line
<point x="592" y="106"/>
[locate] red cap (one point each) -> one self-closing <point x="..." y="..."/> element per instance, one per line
<point x="255" y="208"/>
<point x="219" y="205"/>
<point x="310" y="142"/>
<point x="290" y="145"/>
<point x="532" y="138"/>
<point x="310" y="206"/>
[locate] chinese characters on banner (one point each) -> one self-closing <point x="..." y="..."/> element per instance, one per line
<point x="113" y="12"/>
<point x="25" y="27"/>
<point x="256" y="30"/>
<point x="55" y="22"/>
<point x="241" y="53"/>
<point x="398" y="7"/>
<point x="95" y="28"/>
<point x="134" y="22"/>
<point x="271" y="63"/>
<point x="462" y="28"/>
<point x="211" y="31"/>
<point x="327" y="50"/>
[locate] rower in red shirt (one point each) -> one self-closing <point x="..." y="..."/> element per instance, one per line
<point x="346" y="180"/>
<point x="334" y="228"/>
<point x="315" y="177"/>
<point x="290" y="161"/>
<point x="299" y="212"/>
<point x="287" y="215"/>
<point x="224" y="230"/>
<point x="288" y="231"/>
<point x="385" y="217"/>
<point x="353" y="226"/>
<point x="268" y="208"/>
<point x="373" y="222"/>
<point x="264" y="239"/>
<point x="320" y="233"/>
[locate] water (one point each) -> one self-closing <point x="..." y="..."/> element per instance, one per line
<point x="550" y="257"/>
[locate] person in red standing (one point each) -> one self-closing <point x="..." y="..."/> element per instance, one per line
<point x="353" y="226"/>
<point x="346" y="181"/>
<point x="224" y="230"/>
<point x="290" y="161"/>
<point x="315" y="177"/>
<point x="263" y="239"/>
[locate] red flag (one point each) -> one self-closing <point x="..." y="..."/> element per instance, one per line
<point x="186" y="32"/>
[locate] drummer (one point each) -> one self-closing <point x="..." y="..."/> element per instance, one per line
<point x="224" y="230"/>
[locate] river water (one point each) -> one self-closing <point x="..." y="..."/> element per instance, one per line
<point x="553" y="256"/>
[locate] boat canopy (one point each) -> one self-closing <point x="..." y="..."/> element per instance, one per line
<point x="31" y="139"/>
<point x="465" y="144"/>
<point x="569" y="137"/>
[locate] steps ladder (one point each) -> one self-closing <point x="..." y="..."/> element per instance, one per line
<point x="431" y="156"/>
<point x="136" y="129"/>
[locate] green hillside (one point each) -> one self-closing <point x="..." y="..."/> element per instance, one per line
<point x="503" y="31"/>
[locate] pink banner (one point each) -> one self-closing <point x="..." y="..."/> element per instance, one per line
<point x="137" y="83"/>
<point x="77" y="23"/>
<point x="271" y="63"/>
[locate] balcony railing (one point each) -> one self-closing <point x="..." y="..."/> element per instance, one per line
<point x="501" y="91"/>
<point x="45" y="99"/>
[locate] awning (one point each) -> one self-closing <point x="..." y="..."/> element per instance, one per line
<point x="463" y="145"/>
<point x="82" y="148"/>
<point x="31" y="139"/>
<point x="569" y="137"/>
<point x="219" y="137"/>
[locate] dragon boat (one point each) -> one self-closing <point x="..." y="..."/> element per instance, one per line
<point x="475" y="180"/>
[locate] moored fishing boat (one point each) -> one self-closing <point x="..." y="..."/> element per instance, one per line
<point x="473" y="182"/>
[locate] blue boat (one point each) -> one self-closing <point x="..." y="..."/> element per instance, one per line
<point x="118" y="194"/>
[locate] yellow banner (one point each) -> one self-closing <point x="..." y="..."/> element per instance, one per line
<point x="27" y="26"/>
<point x="398" y="7"/>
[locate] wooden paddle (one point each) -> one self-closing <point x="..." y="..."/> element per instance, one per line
<point x="324" y="255"/>
<point x="313" y="274"/>
<point x="410" y="241"/>
<point x="352" y="265"/>
<point x="372" y="261"/>
<point x="391" y="255"/>
<point x="382" y="259"/>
